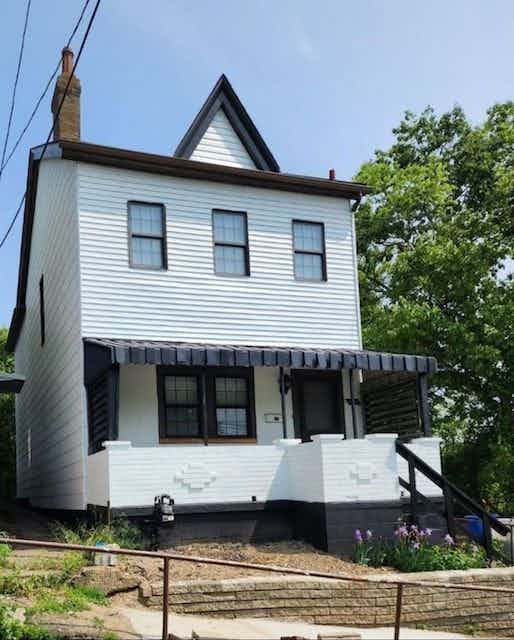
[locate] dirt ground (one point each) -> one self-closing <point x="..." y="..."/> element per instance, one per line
<point x="297" y="555"/>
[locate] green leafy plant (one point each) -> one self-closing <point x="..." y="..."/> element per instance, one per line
<point x="5" y="554"/>
<point x="13" y="629"/>
<point x="411" y="550"/>
<point x="65" y="600"/>
<point x="120" y="532"/>
<point x="7" y="426"/>
<point x="15" y="583"/>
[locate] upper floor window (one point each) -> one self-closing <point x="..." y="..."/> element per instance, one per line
<point x="147" y="235"/>
<point x="230" y="232"/>
<point x="42" y="327"/>
<point x="309" y="251"/>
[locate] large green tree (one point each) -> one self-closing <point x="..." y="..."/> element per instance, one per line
<point x="436" y="242"/>
<point x="7" y="431"/>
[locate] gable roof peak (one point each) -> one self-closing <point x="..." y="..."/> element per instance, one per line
<point x="225" y="98"/>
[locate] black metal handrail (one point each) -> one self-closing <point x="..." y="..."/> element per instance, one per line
<point x="451" y="494"/>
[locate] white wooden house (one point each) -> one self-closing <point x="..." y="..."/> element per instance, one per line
<point x="189" y="325"/>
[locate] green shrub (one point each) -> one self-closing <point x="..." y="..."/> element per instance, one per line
<point x="120" y="532"/>
<point x="13" y="629"/>
<point x="15" y="583"/>
<point x="66" y="600"/>
<point x="5" y="551"/>
<point x="5" y="554"/>
<point x="412" y="550"/>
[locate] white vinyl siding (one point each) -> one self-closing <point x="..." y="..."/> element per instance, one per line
<point x="50" y="408"/>
<point x="220" y="144"/>
<point x="188" y="302"/>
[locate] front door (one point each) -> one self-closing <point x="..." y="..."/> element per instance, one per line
<point x="317" y="403"/>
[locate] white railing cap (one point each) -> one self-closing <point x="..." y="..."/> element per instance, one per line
<point x="117" y="444"/>
<point x="325" y="438"/>
<point x="283" y="443"/>
<point x="426" y="440"/>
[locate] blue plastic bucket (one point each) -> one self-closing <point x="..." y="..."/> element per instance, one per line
<point x="475" y="528"/>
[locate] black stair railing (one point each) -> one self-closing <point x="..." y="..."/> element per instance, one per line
<point x="451" y="495"/>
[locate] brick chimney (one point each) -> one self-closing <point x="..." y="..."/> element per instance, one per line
<point x="67" y="125"/>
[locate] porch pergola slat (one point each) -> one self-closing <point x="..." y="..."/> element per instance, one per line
<point x="120" y="351"/>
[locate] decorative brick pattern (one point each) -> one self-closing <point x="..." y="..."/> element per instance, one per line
<point x="333" y="602"/>
<point x="195" y="475"/>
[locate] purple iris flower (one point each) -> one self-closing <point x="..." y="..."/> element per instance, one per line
<point x="449" y="540"/>
<point x="358" y="535"/>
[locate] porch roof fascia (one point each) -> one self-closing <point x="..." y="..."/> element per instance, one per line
<point x="11" y="382"/>
<point x="121" y="351"/>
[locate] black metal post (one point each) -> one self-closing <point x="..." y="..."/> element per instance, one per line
<point x="413" y="492"/>
<point x="352" y="403"/>
<point x="488" y="537"/>
<point x="165" y="598"/>
<point x="283" y="401"/>
<point x="398" y="616"/>
<point x="205" y="434"/>
<point x="424" y="411"/>
<point x="448" y="505"/>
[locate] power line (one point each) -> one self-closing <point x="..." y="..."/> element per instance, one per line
<point x="11" y="225"/>
<point x="57" y="113"/>
<point x="43" y="94"/>
<point x="17" y="77"/>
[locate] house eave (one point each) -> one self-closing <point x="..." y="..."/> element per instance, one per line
<point x="161" y="165"/>
<point x="193" y="169"/>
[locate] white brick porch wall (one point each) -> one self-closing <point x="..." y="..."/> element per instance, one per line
<point x="329" y="469"/>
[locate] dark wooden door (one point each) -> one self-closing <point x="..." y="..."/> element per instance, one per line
<point x="317" y="403"/>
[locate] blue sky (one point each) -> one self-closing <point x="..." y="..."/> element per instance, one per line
<point x="324" y="80"/>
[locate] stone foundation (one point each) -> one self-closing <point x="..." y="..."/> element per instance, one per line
<point x="324" y="601"/>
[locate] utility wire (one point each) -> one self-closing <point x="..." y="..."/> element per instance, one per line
<point x="11" y="225"/>
<point x="42" y="96"/>
<point x="57" y="113"/>
<point x="17" y="77"/>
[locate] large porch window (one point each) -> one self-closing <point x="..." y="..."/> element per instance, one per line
<point x="209" y="403"/>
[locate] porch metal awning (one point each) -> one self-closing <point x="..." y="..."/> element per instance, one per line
<point x="178" y="353"/>
<point x="11" y="382"/>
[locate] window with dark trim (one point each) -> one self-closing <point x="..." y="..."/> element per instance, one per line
<point x="230" y="234"/>
<point x="183" y="406"/>
<point x="205" y="403"/>
<point x="42" y="327"/>
<point x="309" y="251"/>
<point x="147" y="235"/>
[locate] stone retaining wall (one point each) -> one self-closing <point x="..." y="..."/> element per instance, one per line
<point x="332" y="602"/>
